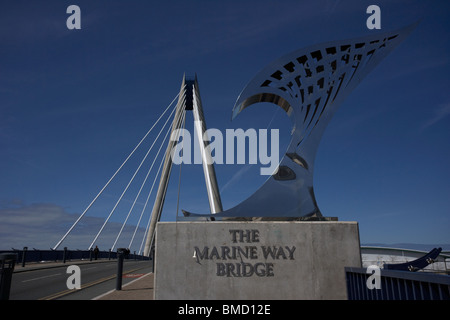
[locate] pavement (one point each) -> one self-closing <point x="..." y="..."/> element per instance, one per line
<point x="138" y="289"/>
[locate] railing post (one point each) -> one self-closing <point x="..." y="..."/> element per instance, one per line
<point x="7" y="262"/>
<point x="64" y="254"/>
<point x="119" y="269"/>
<point x="24" y="256"/>
<point x="153" y="259"/>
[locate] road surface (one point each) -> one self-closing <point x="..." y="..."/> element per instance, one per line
<point x="96" y="278"/>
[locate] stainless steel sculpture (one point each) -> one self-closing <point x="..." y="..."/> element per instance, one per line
<point x="309" y="85"/>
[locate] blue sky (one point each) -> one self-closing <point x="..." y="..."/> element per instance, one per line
<point x="74" y="103"/>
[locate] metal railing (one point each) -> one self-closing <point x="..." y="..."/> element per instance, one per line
<point x="35" y="256"/>
<point x="386" y="255"/>
<point x="397" y="285"/>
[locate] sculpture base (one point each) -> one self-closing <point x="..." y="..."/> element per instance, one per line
<point x="254" y="260"/>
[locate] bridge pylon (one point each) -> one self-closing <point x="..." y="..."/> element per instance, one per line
<point x="188" y="100"/>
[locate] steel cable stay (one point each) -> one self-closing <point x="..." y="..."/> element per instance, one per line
<point x="143" y="183"/>
<point x="114" y="175"/>
<point x="135" y="200"/>
<point x="128" y="185"/>
<point x="181" y="163"/>
<point x="145" y="206"/>
<point x="157" y="175"/>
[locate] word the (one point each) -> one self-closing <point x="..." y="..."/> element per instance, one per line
<point x="182" y="151"/>
<point x="374" y="281"/>
<point x="74" y="21"/>
<point x="74" y="281"/>
<point x="244" y="235"/>
<point x="374" y="21"/>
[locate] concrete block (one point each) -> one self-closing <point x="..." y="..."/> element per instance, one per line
<point x="254" y="260"/>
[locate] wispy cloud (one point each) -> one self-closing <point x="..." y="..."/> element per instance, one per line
<point x="441" y="112"/>
<point x="42" y="225"/>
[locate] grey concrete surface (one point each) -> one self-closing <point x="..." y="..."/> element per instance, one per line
<point x="254" y="260"/>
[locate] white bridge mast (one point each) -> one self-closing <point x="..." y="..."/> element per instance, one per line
<point x="189" y="99"/>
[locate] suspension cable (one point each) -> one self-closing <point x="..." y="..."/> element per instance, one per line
<point x="160" y="166"/>
<point x="145" y="206"/>
<point x="114" y="175"/>
<point x="148" y="197"/>
<point x="143" y="183"/>
<point x="181" y="163"/>
<point x="129" y="183"/>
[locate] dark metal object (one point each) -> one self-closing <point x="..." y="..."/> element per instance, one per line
<point x="417" y="264"/>
<point x="397" y="285"/>
<point x="120" y="256"/>
<point x="7" y="262"/>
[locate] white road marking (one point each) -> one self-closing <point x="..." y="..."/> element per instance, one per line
<point x="52" y="275"/>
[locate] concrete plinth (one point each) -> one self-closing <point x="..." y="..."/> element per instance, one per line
<point x="254" y="260"/>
